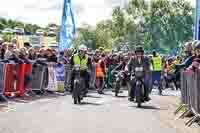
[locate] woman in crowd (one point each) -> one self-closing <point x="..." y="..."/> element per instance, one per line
<point x="32" y="54"/>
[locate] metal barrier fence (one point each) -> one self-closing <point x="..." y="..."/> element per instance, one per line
<point x="190" y="95"/>
<point x="2" y="83"/>
<point x="39" y="78"/>
<point x="17" y="80"/>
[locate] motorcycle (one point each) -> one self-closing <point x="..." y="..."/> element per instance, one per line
<point x="78" y="86"/>
<point x="119" y="76"/>
<point x="139" y="88"/>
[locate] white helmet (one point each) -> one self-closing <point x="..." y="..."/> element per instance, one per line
<point x="82" y="47"/>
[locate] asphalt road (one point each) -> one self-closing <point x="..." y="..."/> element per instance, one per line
<point x="97" y="114"/>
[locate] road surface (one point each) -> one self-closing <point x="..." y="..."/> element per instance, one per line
<point x="97" y="114"/>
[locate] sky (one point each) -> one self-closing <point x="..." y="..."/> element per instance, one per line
<point x="42" y="12"/>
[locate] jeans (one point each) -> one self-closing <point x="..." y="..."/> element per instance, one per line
<point x="68" y="76"/>
<point x="156" y="76"/>
<point x="100" y="84"/>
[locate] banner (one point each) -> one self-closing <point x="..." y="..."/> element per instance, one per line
<point x="197" y="24"/>
<point x="67" y="28"/>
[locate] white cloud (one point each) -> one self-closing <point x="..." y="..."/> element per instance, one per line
<point x="43" y="12"/>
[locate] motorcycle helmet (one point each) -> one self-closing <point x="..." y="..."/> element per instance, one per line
<point x="82" y="47"/>
<point x="139" y="49"/>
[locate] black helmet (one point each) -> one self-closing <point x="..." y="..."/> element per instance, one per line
<point x="139" y="49"/>
<point x="197" y="46"/>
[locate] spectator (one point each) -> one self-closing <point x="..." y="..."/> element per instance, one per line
<point x="32" y="54"/>
<point x="9" y="51"/>
<point x="27" y="45"/>
<point x="195" y="59"/>
<point x="50" y="56"/>
<point x="3" y="51"/>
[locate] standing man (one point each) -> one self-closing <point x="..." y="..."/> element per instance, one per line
<point x="157" y="70"/>
<point x="101" y="74"/>
<point x="68" y="69"/>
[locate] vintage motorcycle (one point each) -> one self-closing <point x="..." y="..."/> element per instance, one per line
<point x="138" y="76"/>
<point x="77" y="92"/>
<point x="119" y="76"/>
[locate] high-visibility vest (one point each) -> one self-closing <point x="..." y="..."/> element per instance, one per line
<point x="82" y="62"/>
<point x="99" y="71"/>
<point x="157" y="63"/>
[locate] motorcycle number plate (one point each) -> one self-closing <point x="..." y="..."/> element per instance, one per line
<point x="139" y="69"/>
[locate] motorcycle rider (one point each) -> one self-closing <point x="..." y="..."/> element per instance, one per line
<point x="121" y="67"/>
<point x="137" y="61"/>
<point x="82" y="59"/>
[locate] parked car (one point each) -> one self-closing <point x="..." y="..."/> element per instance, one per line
<point x="7" y="31"/>
<point x="40" y="32"/>
<point x="18" y="30"/>
<point x="52" y="33"/>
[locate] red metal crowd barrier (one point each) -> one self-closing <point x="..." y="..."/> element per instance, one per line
<point x="14" y="79"/>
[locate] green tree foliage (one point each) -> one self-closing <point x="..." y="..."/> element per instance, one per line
<point x="4" y="23"/>
<point x="155" y="24"/>
<point x="159" y="24"/>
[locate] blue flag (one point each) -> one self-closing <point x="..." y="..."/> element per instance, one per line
<point x="68" y="27"/>
<point x="197" y="24"/>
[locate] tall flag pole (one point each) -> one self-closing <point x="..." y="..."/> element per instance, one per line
<point x="197" y="23"/>
<point x="68" y="28"/>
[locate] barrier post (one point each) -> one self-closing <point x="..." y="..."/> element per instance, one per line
<point x="2" y="83"/>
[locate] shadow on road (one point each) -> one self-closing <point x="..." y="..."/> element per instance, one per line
<point x="168" y="95"/>
<point x="3" y="106"/>
<point x="91" y="96"/>
<point x="89" y="103"/>
<point x="121" y="96"/>
<point x="107" y="94"/>
<point x="145" y="107"/>
<point x="28" y="99"/>
<point x="150" y="107"/>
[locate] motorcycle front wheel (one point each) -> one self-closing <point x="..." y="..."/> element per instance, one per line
<point x="75" y="101"/>
<point x="139" y="104"/>
<point x="139" y="94"/>
<point x="117" y="87"/>
<point x="79" y="100"/>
